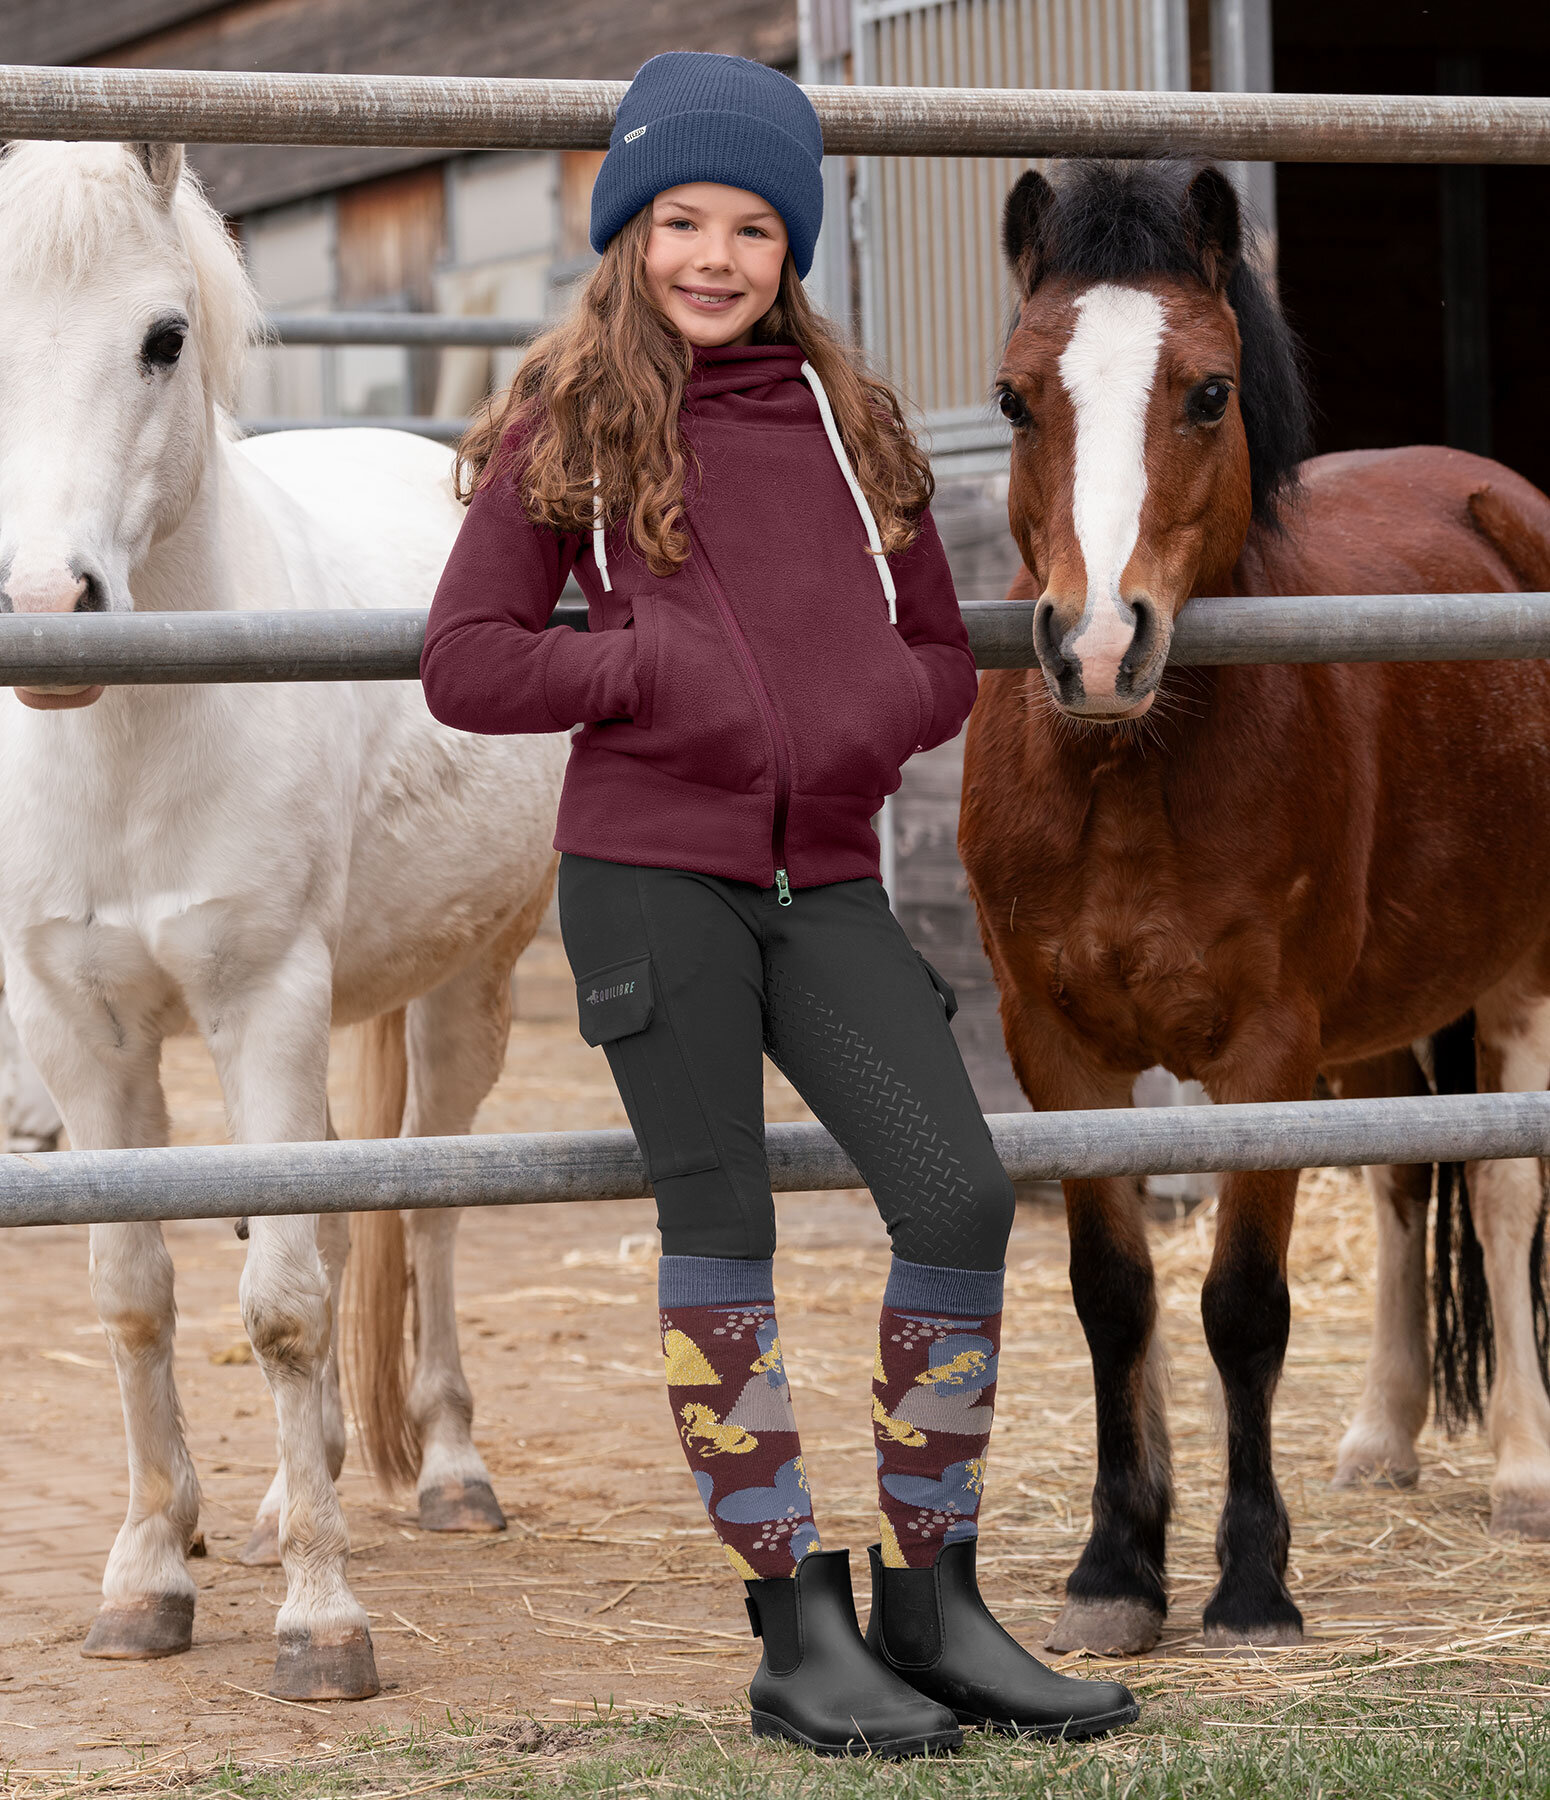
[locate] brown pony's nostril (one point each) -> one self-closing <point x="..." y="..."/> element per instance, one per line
<point x="1144" y="643"/>
<point x="1046" y="642"/>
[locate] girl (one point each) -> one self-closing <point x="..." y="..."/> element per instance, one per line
<point x="773" y="631"/>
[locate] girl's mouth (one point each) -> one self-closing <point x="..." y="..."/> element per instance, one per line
<point x="710" y="300"/>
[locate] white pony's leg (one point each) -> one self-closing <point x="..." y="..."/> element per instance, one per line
<point x="334" y="1248"/>
<point x="1379" y="1446"/>
<point x="147" y="1593"/>
<point x="1512" y="1035"/>
<point x="105" y="1070"/>
<point x="271" y="1048"/>
<point x="456" y="1039"/>
<point x="29" y="1120"/>
<point x="262" y="1550"/>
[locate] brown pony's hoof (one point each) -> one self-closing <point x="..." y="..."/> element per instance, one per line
<point x="1105" y="1627"/>
<point x="461" y="1506"/>
<point x="160" y="1627"/>
<point x="1281" y="1634"/>
<point x="307" y="1670"/>
<point x="262" y="1550"/>
<point x="1520" y="1515"/>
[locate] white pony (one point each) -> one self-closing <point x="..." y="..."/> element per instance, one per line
<point x="263" y="859"/>
<point x="29" y="1119"/>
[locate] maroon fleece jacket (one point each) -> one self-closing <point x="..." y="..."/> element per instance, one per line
<point x="745" y="715"/>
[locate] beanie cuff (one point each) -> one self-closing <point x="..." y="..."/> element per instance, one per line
<point x="736" y="149"/>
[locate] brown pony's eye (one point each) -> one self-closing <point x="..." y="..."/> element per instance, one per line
<point x="1012" y="407"/>
<point x="1208" y="402"/>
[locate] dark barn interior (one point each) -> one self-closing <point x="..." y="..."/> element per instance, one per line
<point x="1420" y="291"/>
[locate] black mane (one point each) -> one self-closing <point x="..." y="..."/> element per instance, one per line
<point x="1112" y="220"/>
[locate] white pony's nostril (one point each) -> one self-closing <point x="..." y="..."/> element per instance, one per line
<point x="40" y="588"/>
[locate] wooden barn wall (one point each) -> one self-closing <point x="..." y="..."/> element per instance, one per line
<point x="390" y="236"/>
<point x="600" y="39"/>
<point x="65" y="31"/>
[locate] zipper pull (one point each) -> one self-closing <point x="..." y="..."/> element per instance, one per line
<point x="783" y="887"/>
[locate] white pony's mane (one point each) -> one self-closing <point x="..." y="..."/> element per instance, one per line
<point x="66" y="208"/>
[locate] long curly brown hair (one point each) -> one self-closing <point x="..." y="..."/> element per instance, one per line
<point x="600" y="395"/>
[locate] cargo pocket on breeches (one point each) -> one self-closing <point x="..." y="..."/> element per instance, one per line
<point x="616" y="1008"/>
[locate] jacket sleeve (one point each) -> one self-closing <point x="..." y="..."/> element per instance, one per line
<point x="489" y="664"/>
<point x="932" y="628"/>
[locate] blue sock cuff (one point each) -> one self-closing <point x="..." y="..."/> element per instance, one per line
<point x="951" y="1293"/>
<point x="714" y="1281"/>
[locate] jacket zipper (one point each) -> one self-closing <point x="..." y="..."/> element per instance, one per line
<point x="781" y="747"/>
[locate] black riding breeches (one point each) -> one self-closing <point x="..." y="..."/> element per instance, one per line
<point x="684" y="979"/>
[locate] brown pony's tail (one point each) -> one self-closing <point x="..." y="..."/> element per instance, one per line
<point x="376" y="1289"/>
<point x="1465" y="1339"/>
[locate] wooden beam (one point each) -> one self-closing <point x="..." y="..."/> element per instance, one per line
<point x="70" y="31"/>
<point x="598" y="39"/>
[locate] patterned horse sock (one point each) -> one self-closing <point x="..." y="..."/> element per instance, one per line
<point x="933" y="1396"/>
<point x="732" y="1406"/>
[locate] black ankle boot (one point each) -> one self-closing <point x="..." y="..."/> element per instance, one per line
<point x="932" y="1627"/>
<point x="817" y="1682"/>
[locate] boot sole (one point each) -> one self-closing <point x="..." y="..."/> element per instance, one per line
<point x="1071" y="1731"/>
<point x="766" y="1725"/>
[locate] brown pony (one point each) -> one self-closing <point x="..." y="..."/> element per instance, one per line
<point x="1250" y="875"/>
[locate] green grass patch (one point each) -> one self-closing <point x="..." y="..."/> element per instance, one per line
<point x="1363" y="1732"/>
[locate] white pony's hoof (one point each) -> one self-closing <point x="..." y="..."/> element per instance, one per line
<point x="1376" y="1471"/>
<point x="139" y="1633"/>
<point x="1520" y="1512"/>
<point x="306" y="1669"/>
<point x="461" y="1506"/>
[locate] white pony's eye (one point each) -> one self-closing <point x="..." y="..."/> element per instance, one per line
<point x="163" y="345"/>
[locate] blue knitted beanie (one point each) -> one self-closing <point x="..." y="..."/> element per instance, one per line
<point x="690" y="115"/>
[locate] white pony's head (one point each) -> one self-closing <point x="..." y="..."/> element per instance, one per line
<point x="125" y="315"/>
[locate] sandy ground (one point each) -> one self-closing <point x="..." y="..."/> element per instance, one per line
<point x="608" y="1586"/>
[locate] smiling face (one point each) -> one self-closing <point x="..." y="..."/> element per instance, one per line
<point x="714" y="257"/>
<point x="1130" y="475"/>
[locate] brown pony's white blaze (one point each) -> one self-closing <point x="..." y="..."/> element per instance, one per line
<point x="1117" y="392"/>
<point x="1303" y="869"/>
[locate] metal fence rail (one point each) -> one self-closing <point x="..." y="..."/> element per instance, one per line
<point x="430" y="330"/>
<point x="211" y="106"/>
<point x="231" y="1180"/>
<point x="443" y="431"/>
<point x="123" y="649"/>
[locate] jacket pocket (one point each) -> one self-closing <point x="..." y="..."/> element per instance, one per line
<point x="923" y="693"/>
<point x="643" y="619"/>
<point x="944" y="992"/>
<point x="617" y="1009"/>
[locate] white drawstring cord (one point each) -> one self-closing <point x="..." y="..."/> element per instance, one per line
<point x="599" y="549"/>
<point x="837" y="445"/>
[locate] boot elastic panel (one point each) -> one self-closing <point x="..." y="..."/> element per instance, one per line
<point x="817" y="1683"/>
<point x="933" y="1628"/>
